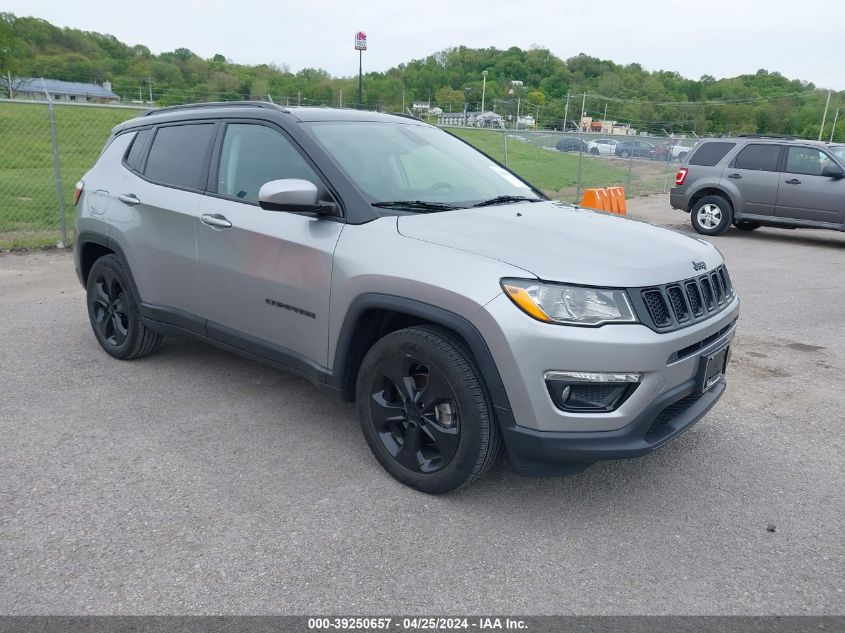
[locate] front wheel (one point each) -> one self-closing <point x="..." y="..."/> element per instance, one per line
<point x="424" y="410"/>
<point x="711" y="215"/>
<point x="625" y="153"/>
<point x="594" y="151"/>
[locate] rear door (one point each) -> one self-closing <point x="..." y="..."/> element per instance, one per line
<point x="268" y="274"/>
<point x="805" y="194"/>
<point x="754" y="172"/>
<point x="157" y="214"/>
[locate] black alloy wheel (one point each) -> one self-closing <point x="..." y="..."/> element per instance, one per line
<point x="108" y="306"/>
<point x="424" y="410"/>
<point x="415" y="414"/>
<point x="114" y="314"/>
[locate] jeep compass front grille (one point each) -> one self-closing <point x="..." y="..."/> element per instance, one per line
<point x="676" y="305"/>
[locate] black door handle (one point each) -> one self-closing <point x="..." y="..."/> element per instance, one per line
<point x="735" y="176"/>
<point x="793" y="181"/>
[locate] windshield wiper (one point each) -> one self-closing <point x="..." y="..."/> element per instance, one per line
<point x="506" y="200"/>
<point x="415" y="205"/>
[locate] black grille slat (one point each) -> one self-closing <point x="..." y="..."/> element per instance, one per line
<point x="726" y="281"/>
<point x="717" y="288"/>
<point x="679" y="306"/>
<point x="707" y="292"/>
<point x="694" y="298"/>
<point x="657" y="308"/>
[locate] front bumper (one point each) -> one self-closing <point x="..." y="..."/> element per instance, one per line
<point x="540" y="437"/>
<point x="537" y="453"/>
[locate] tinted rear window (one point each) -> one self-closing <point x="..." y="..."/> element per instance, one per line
<point x="710" y="154"/>
<point x="177" y="156"/>
<point x="759" y="157"/>
<point x="136" y="150"/>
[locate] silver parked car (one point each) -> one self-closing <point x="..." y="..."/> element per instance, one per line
<point x="394" y="265"/>
<point x="754" y="180"/>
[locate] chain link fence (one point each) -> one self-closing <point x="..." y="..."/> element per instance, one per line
<point x="45" y="148"/>
<point x="563" y="165"/>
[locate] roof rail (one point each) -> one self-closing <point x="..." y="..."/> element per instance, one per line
<point x="414" y="117"/>
<point x="217" y="104"/>
<point x="782" y="137"/>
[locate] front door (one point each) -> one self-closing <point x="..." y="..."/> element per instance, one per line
<point x="805" y="194"/>
<point x="267" y="275"/>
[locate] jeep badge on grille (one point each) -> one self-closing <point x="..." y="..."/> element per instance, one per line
<point x="699" y="265"/>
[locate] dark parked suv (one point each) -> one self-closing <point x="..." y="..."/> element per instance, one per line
<point x="755" y="180"/>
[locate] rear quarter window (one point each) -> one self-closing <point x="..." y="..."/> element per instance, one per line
<point x="136" y="150"/>
<point x="709" y="154"/>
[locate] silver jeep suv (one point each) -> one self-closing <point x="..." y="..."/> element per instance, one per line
<point x="755" y="180"/>
<point x="394" y="265"/>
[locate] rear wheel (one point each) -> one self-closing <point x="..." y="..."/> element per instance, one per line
<point x="711" y="215"/>
<point x="114" y="314"/>
<point x="425" y="412"/>
<point x="625" y="153"/>
<point x="594" y="151"/>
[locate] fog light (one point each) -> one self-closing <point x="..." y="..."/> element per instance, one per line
<point x="595" y="392"/>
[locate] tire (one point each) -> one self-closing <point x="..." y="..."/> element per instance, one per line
<point x="114" y="314"/>
<point x="711" y="215"/>
<point x="625" y="153"/>
<point x="407" y="380"/>
<point x="745" y="225"/>
<point x="594" y="151"/>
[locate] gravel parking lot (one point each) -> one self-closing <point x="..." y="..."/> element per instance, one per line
<point x="195" y="481"/>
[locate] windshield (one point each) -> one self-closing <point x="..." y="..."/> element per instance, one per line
<point x="400" y="162"/>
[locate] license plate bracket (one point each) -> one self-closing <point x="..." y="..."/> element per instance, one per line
<point x="711" y="368"/>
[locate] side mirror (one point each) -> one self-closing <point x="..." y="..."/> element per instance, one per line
<point x="293" y="195"/>
<point x="833" y="171"/>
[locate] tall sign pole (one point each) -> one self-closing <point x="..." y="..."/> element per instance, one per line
<point x="360" y="46"/>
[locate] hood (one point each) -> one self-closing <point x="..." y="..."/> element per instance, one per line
<point x="561" y="243"/>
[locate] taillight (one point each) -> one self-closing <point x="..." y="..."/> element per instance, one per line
<point x="682" y="176"/>
<point x="78" y="192"/>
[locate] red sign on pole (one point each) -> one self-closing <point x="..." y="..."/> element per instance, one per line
<point x="360" y="41"/>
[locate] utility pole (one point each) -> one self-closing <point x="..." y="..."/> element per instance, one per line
<point x="341" y="98"/>
<point x="403" y="102"/>
<point x="150" y="86"/>
<point x="298" y="98"/>
<point x="835" y="118"/>
<point x="518" y="100"/>
<point x="604" y="120"/>
<point x="566" y="113"/>
<point x="583" y="112"/>
<point x="483" y="89"/>
<point x="824" y="116"/>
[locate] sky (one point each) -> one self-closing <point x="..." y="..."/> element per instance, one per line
<point x="723" y="38"/>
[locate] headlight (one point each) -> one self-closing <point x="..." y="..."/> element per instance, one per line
<point x="573" y="305"/>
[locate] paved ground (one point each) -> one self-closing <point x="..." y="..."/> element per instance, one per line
<point x="195" y="481"/>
